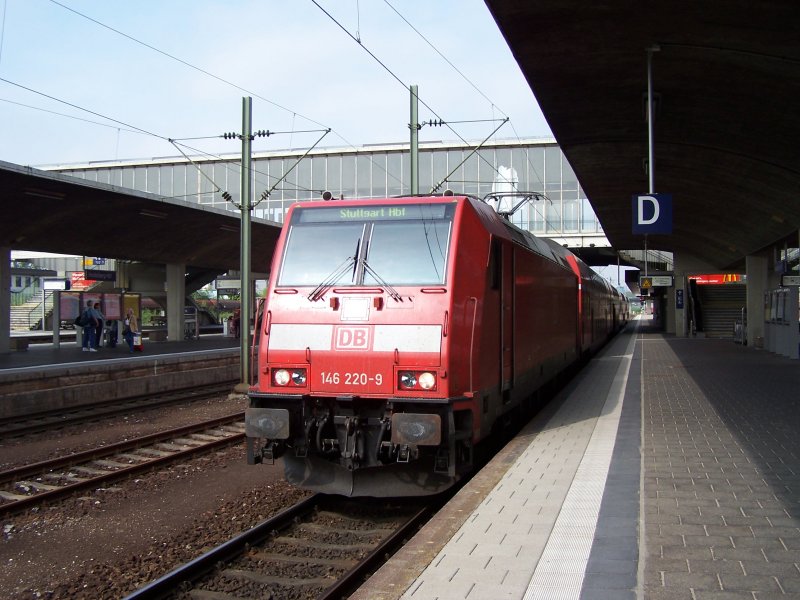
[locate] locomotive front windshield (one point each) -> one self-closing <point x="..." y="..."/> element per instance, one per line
<point x="370" y="245"/>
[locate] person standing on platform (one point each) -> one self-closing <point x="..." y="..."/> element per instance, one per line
<point x="131" y="327"/>
<point x="101" y="321"/>
<point x="89" y="321"/>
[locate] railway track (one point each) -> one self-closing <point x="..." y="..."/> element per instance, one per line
<point x="46" y="421"/>
<point x="321" y="548"/>
<point x="30" y="485"/>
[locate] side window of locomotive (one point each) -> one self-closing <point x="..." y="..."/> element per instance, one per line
<point x="314" y="251"/>
<point x="412" y="252"/>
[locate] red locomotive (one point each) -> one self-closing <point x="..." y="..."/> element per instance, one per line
<point x="398" y="332"/>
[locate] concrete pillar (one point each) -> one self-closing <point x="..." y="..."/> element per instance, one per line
<point x="5" y="300"/>
<point x="679" y="318"/>
<point x="670" y="315"/>
<point x="757" y="268"/>
<point x="176" y="298"/>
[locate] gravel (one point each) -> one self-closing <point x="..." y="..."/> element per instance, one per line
<point x="114" y="540"/>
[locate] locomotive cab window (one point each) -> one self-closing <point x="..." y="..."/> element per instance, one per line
<point x="369" y="245"/>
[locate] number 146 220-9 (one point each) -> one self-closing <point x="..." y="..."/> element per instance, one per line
<point x="336" y="378"/>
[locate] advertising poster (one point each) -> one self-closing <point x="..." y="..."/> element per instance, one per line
<point x="69" y="305"/>
<point x="112" y="306"/>
<point x="94" y="297"/>
<point x="132" y="301"/>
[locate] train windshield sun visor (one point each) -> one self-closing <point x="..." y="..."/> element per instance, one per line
<point x="388" y="252"/>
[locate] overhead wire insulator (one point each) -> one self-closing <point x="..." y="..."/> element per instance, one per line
<point x="229" y="136"/>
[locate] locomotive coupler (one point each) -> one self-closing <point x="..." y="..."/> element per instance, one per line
<point x="407" y="452"/>
<point x="266" y="454"/>
<point x="269" y="453"/>
<point x="350" y="456"/>
<point x="385" y="452"/>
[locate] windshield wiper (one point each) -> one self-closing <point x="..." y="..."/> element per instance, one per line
<point x="393" y="293"/>
<point x="327" y="283"/>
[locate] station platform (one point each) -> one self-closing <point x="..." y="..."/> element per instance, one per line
<point x="45" y="379"/>
<point x="669" y="468"/>
<point x="45" y="354"/>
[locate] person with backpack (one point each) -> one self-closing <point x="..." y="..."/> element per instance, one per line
<point x="89" y="323"/>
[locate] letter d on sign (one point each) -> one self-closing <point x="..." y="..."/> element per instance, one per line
<point x="640" y="219"/>
<point x="652" y="213"/>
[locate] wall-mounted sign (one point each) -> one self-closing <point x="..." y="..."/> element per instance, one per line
<point x="228" y="284"/>
<point x="655" y="281"/>
<point x="100" y="275"/>
<point x="790" y="280"/>
<point x="56" y="284"/>
<point x="717" y="278"/>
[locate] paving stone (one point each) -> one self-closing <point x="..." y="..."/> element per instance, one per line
<point x="753" y="583"/>
<point x="716" y="566"/>
<point x="725" y="433"/>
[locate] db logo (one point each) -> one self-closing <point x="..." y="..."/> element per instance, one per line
<point x="351" y="338"/>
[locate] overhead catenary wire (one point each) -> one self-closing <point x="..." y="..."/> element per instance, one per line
<point x="221" y="79"/>
<point x="180" y="60"/>
<point x="53" y="112"/>
<point x="134" y="129"/>
<point x="212" y="75"/>
<point x="467" y="79"/>
<point x="91" y="112"/>
<point x="400" y="81"/>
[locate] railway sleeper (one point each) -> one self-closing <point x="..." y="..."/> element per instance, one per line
<point x="354" y="532"/>
<point x="316" y="545"/>
<point x="11" y="497"/>
<point x="271" y="579"/>
<point x="37" y="486"/>
<point x="341" y="563"/>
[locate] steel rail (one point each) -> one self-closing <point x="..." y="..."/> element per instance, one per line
<point x="91" y="482"/>
<point x="101" y="410"/>
<point x="349" y="581"/>
<point x="193" y="570"/>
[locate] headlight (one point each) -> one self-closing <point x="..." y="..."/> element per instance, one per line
<point x="289" y="377"/>
<point x="408" y="380"/>
<point x="427" y="381"/>
<point x="281" y="377"/>
<point x="416" y="380"/>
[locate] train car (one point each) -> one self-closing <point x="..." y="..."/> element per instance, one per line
<point x="397" y="333"/>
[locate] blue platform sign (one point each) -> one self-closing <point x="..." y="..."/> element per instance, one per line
<point x="652" y="213"/>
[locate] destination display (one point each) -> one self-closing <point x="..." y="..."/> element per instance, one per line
<point x="372" y="213"/>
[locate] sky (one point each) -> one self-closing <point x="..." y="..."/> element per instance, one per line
<point x="99" y="80"/>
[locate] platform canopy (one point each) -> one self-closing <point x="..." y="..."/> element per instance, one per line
<point x="49" y="212"/>
<point x="726" y="78"/>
